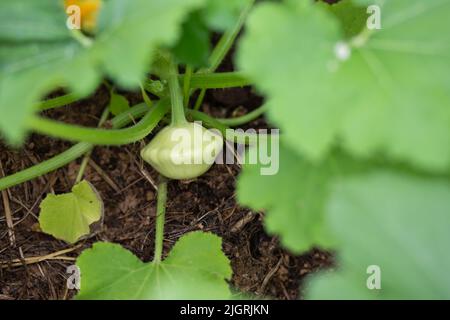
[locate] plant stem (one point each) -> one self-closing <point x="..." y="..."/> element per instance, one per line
<point x="187" y="85"/>
<point x="125" y="118"/>
<point x="72" y="153"/>
<point x="83" y="166"/>
<point x="230" y="135"/>
<point x="100" y="136"/>
<point x="226" y="41"/>
<point x="176" y="99"/>
<point x="84" y="40"/>
<point x="86" y="157"/>
<point x="223" y="46"/>
<point x="219" y="80"/>
<point x="44" y="167"/>
<point x="199" y="101"/>
<point x="252" y="115"/>
<point x="57" y="102"/>
<point x="145" y="96"/>
<point x="160" y="218"/>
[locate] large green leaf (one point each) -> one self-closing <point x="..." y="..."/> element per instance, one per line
<point x="40" y="54"/>
<point x="45" y="24"/>
<point x="195" y="268"/>
<point x="37" y="53"/>
<point x="294" y="198"/>
<point x="193" y="46"/>
<point x="130" y="30"/>
<point x="382" y="90"/>
<point x="68" y="216"/>
<point x="397" y="223"/>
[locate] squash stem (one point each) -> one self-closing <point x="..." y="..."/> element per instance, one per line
<point x="176" y="98"/>
<point x="160" y="218"/>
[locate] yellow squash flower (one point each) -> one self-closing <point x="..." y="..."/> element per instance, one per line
<point x="89" y="12"/>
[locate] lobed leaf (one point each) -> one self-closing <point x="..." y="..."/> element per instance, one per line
<point x="195" y="268"/>
<point x="382" y="90"/>
<point x="68" y="216"/>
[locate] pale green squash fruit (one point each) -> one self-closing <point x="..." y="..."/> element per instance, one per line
<point x="183" y="151"/>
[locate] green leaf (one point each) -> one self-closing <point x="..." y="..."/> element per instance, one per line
<point x="195" y="268"/>
<point x="400" y="224"/>
<point x="41" y="54"/>
<point x="370" y="2"/>
<point x="129" y="31"/>
<point x="193" y="47"/>
<point x="44" y="25"/>
<point x="295" y="197"/>
<point x="118" y="104"/>
<point x="300" y="39"/>
<point x="68" y="216"/>
<point x="37" y="54"/>
<point x="389" y="95"/>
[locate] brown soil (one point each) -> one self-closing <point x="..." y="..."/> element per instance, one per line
<point x="208" y="203"/>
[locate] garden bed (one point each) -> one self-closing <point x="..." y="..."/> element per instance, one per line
<point x="260" y="265"/>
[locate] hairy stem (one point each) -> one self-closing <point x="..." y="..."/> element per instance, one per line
<point x="199" y="101"/>
<point x="187" y="85"/>
<point x="46" y="166"/>
<point x="100" y="136"/>
<point x="145" y="96"/>
<point x="176" y="98"/>
<point x="57" y="102"/>
<point x="226" y="41"/>
<point x="223" y="46"/>
<point x="230" y="135"/>
<point x="252" y="115"/>
<point x="219" y="80"/>
<point x="84" y="40"/>
<point x="160" y="218"/>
